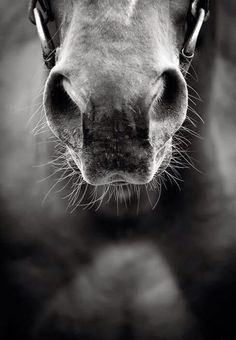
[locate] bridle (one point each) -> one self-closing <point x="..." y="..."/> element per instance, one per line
<point x="40" y="14"/>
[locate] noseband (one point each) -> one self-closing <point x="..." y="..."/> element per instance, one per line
<point x="40" y="14"/>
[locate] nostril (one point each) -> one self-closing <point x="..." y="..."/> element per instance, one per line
<point x="171" y="107"/>
<point x="170" y="88"/>
<point x="174" y="88"/>
<point x="63" y="113"/>
<point x="173" y="101"/>
<point x="57" y="99"/>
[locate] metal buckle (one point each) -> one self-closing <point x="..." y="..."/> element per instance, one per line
<point x="46" y="8"/>
<point x="197" y="5"/>
<point x="188" y="50"/>
<point x="47" y="44"/>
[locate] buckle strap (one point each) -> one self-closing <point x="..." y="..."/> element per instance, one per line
<point x="46" y="9"/>
<point x="197" y="5"/>
<point x="47" y="44"/>
<point x="200" y="13"/>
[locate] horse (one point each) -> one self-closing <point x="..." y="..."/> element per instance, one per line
<point x="127" y="259"/>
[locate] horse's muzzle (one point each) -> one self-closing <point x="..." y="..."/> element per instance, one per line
<point x="113" y="139"/>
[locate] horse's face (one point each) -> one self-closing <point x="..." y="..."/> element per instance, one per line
<point x="117" y="96"/>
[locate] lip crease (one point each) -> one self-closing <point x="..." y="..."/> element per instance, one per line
<point x="118" y="183"/>
<point x="117" y="180"/>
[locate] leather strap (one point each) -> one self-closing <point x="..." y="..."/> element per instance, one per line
<point x="46" y="9"/>
<point x="198" y="13"/>
<point x="205" y="4"/>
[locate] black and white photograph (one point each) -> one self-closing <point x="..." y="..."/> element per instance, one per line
<point x="118" y="170"/>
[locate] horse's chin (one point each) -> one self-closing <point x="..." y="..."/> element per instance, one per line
<point x="123" y="179"/>
<point x="119" y="193"/>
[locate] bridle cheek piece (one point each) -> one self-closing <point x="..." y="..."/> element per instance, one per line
<point x="200" y="15"/>
<point x="47" y="44"/>
<point x="40" y="14"/>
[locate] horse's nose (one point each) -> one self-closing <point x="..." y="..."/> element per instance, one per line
<point x="163" y="99"/>
<point x="116" y="130"/>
